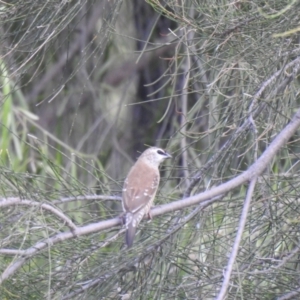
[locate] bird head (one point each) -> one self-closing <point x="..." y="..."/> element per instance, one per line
<point x="155" y="156"/>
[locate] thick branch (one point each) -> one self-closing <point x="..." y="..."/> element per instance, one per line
<point x="254" y="171"/>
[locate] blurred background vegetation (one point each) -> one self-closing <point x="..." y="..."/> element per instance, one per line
<point x="87" y="85"/>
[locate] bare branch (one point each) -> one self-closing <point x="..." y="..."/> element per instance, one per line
<point x="91" y="228"/>
<point x="87" y="197"/>
<point x="253" y="172"/>
<point x="290" y="295"/>
<point x="59" y="214"/>
<point x="237" y="241"/>
<point x="255" y="111"/>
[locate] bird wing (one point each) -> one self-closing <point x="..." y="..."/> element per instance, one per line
<point x="140" y="187"/>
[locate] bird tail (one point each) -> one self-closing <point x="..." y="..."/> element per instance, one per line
<point x="130" y="230"/>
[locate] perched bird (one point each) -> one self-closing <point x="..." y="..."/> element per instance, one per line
<point x="139" y="189"/>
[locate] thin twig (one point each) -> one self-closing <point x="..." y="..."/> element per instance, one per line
<point x="255" y="111"/>
<point x="17" y="201"/>
<point x="237" y="241"/>
<point x="253" y="172"/>
<point x="87" y="197"/>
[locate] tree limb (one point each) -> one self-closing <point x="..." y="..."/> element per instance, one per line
<point x="254" y="171"/>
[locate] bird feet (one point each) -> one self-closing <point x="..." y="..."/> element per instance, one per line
<point x="122" y="217"/>
<point x="149" y="215"/>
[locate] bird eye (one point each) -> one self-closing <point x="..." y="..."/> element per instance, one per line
<point x="161" y="152"/>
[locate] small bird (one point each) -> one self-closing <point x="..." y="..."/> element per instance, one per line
<point x="139" y="189"/>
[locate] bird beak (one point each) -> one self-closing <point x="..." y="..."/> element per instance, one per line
<point x="168" y="155"/>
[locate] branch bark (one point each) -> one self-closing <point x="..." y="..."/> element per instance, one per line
<point x="254" y="171"/>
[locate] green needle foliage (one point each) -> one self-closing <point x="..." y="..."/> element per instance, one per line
<point x="86" y="85"/>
